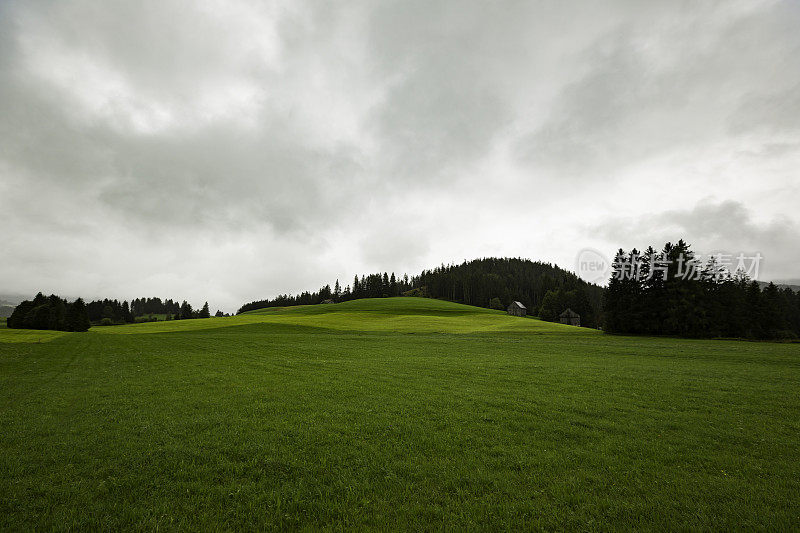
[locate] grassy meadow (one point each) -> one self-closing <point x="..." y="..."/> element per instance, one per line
<point x="394" y="413"/>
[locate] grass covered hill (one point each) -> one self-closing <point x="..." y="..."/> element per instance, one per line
<point x="394" y="413"/>
<point x="488" y="282"/>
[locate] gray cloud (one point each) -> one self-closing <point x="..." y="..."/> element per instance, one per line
<point x="233" y="150"/>
<point x="661" y="82"/>
<point x="713" y="227"/>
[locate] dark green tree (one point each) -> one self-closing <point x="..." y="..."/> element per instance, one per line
<point x="551" y="306"/>
<point x="495" y="303"/>
<point x="77" y="318"/>
<point x="19" y="315"/>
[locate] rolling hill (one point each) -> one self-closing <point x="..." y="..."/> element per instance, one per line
<point x="792" y="284"/>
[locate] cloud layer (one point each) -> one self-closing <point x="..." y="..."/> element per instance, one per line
<point x="234" y="150"/>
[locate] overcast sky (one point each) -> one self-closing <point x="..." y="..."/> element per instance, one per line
<point x="230" y="151"/>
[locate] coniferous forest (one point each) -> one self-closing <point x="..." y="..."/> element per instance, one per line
<point x="55" y="313"/>
<point x="668" y="292"/>
<point x="703" y="300"/>
<point x="143" y="310"/>
<point x="50" y="312"/>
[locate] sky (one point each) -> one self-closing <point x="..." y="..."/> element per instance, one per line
<point x="228" y="151"/>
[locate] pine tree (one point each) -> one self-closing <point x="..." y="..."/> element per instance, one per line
<point x="77" y="318"/>
<point x="17" y="318"/>
<point x="126" y="312"/>
<point x="324" y="294"/>
<point x="204" y="312"/>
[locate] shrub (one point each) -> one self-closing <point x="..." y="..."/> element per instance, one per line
<point x="495" y="303"/>
<point x="420" y="292"/>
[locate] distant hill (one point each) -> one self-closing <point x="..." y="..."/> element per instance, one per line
<point x="487" y="282"/>
<point x="478" y="281"/>
<point x="7" y="305"/>
<point x="788" y="284"/>
<point x="9" y="302"/>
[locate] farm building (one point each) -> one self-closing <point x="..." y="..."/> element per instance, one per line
<point x="517" y="309"/>
<point x="570" y="317"/>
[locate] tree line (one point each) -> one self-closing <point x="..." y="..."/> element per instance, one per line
<point x="488" y="282"/>
<point x="369" y="286"/>
<point x="665" y="292"/>
<point x="56" y="313"/>
<point x="106" y="312"/>
<point x="50" y="312"/>
<point x="669" y="292"/>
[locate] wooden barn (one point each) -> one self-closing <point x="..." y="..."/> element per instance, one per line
<point x="570" y="317"/>
<point x="517" y="309"/>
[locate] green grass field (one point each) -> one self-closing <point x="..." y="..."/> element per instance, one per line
<point x="394" y="413"/>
